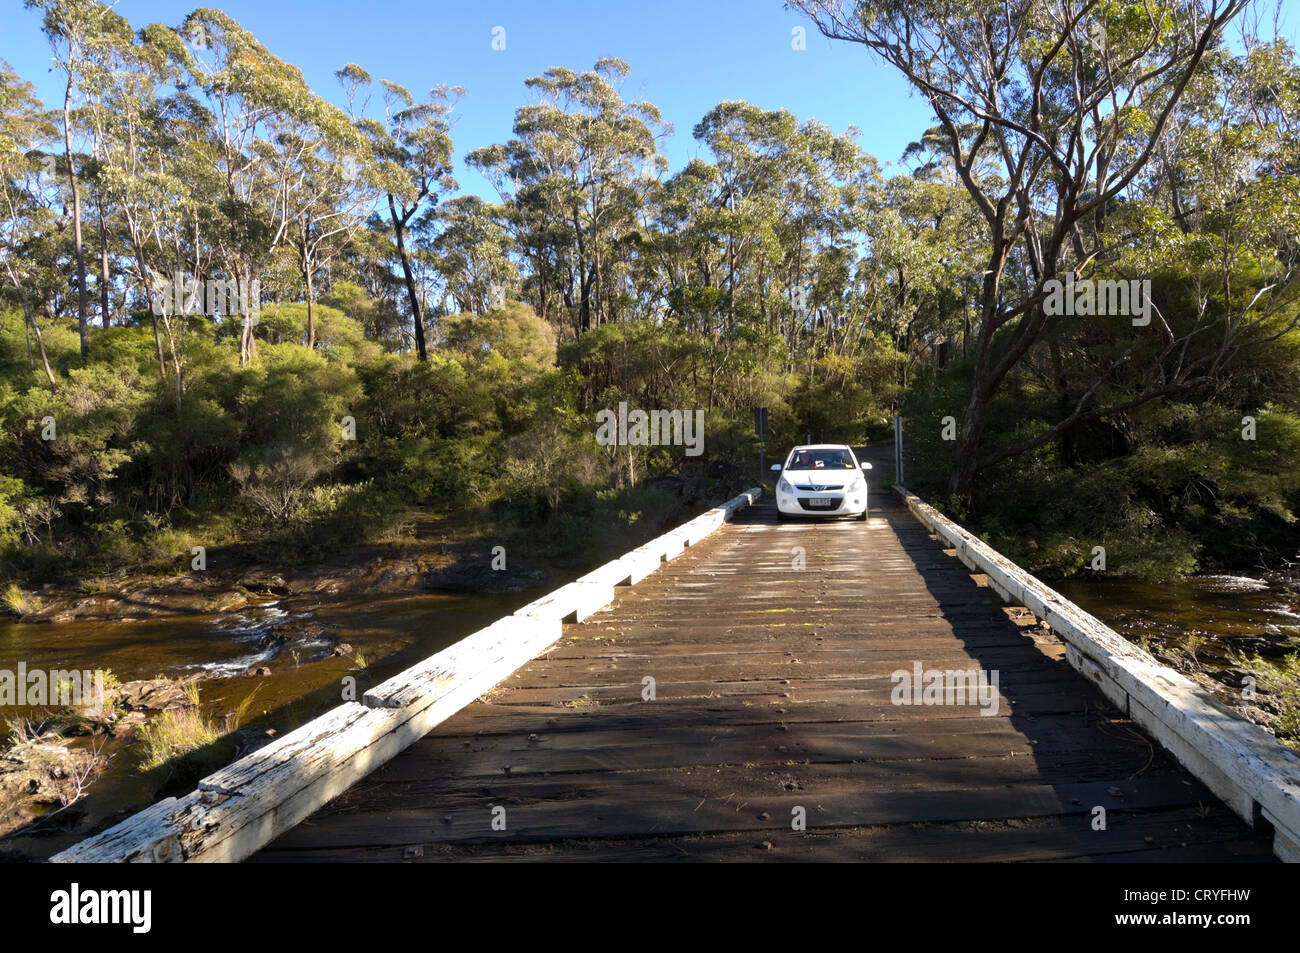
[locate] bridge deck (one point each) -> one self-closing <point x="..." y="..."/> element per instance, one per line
<point x="773" y="692"/>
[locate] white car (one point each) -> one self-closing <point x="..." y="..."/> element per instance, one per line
<point x="822" y="479"/>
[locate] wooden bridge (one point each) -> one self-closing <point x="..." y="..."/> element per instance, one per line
<point x="738" y="697"/>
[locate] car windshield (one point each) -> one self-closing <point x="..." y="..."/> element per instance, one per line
<point x="821" y="460"/>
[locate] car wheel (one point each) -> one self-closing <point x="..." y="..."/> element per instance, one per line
<point x="862" y="517"/>
<point x="780" y="516"/>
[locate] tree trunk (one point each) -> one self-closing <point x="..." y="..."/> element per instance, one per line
<point x="247" y="343"/>
<point x="76" y="220"/>
<point x="304" y="263"/>
<point x="311" y="316"/>
<point x="399" y="228"/>
<point x="35" y="328"/>
<point x="1068" y="443"/>
<point x="148" y="300"/>
<point x="105" y="295"/>
<point x="40" y="344"/>
<point x="973" y="419"/>
<point x="596" y="289"/>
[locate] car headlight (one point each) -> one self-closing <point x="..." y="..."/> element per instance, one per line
<point x="783" y="486"/>
<point x="856" y="485"/>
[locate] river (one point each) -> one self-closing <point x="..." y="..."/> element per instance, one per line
<point x="1246" y="613"/>
<point x="387" y="634"/>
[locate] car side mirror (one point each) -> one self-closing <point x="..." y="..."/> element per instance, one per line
<point x="776" y="466"/>
<point x="866" y="466"/>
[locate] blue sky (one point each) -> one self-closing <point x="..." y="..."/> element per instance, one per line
<point x="685" y="56"/>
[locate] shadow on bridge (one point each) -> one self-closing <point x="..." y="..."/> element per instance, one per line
<point x="1119" y="796"/>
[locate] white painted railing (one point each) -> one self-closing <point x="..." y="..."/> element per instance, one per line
<point x="1238" y="760"/>
<point x="245" y="805"/>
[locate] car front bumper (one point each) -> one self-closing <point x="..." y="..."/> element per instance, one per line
<point x="844" y="504"/>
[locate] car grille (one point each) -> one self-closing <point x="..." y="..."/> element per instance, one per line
<point x="818" y="488"/>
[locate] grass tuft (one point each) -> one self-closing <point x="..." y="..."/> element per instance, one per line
<point x="177" y="732"/>
<point x="18" y="602"/>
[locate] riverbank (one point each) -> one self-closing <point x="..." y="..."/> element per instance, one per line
<point x="462" y="567"/>
<point x="457" y="552"/>
<point x="51" y="759"/>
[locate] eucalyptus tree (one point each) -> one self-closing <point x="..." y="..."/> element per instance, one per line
<point x="263" y="124"/>
<point x="1075" y="96"/>
<point x="23" y="216"/>
<point x="111" y="64"/>
<point x="331" y="198"/>
<point x="688" y="259"/>
<point x="573" y="184"/>
<point x="231" y="88"/>
<point x="120" y="85"/>
<point x="472" y="251"/>
<point x="138" y="133"/>
<point x="925" y="242"/>
<point x="829" y="190"/>
<point x="938" y="267"/>
<point x="789" y="207"/>
<point x="164" y="178"/>
<point x="76" y="30"/>
<point x="745" y="208"/>
<point x="1221" y="214"/>
<point x="411" y="166"/>
<point x="367" y="266"/>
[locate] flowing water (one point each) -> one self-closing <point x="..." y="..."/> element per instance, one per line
<point x="387" y="634"/>
<point x="1246" y="613"/>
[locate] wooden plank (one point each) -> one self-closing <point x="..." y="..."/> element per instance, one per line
<point x="702" y="526"/>
<point x="1147" y="837"/>
<point x="615" y="691"/>
<point x="417" y="780"/>
<point x="641" y="562"/>
<point x="630" y="816"/>
<point x="312" y="738"/>
<point x="441" y="779"/>
<point x="149" y="836"/>
<point x="472" y="666"/>
<point x="600" y="750"/>
<point x="671" y="545"/>
<point x="803" y="646"/>
<point x="582" y="674"/>
<point x="631" y="712"/>
<point x="615" y="573"/>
